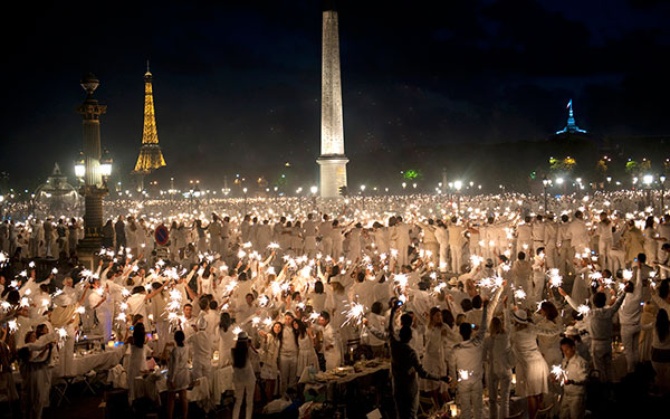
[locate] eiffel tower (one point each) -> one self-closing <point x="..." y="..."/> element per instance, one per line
<point x="151" y="156"/>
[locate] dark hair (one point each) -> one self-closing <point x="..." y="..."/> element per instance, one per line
<point x="466" y="305"/>
<point x="662" y="324"/>
<point x="225" y="321"/>
<point x="567" y="341"/>
<point x="448" y="317"/>
<point x="664" y="288"/>
<point x="599" y="299"/>
<point x="179" y="337"/>
<point x="318" y="287"/>
<point x="477" y="301"/>
<point x="138" y="335"/>
<point x="642" y="258"/>
<point x="302" y="327"/>
<point x="240" y="353"/>
<point x="377" y="307"/>
<point x="465" y="329"/>
<point x="550" y="310"/>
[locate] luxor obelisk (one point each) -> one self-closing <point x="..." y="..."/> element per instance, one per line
<point x="332" y="161"/>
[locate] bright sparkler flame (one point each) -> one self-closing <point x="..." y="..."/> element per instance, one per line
<point x="519" y="294"/>
<point x="583" y="309"/>
<point x="464" y="375"/>
<point x="560" y="374"/>
<point x="354" y="315"/>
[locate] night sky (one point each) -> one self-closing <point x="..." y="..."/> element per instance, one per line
<point x="237" y="85"/>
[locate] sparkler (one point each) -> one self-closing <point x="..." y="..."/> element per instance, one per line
<point x="560" y="374"/>
<point x="555" y="279"/>
<point x="464" y="375"/>
<point x="354" y="315"/>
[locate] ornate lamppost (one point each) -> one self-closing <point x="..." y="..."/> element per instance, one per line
<point x="95" y="173"/>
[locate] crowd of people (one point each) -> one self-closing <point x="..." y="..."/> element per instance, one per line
<point x="472" y="300"/>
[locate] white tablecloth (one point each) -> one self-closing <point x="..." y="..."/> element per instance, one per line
<point x="98" y="361"/>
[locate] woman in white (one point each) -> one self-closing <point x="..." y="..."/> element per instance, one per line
<point x="549" y="345"/>
<point x="536" y="289"/>
<point x="317" y="298"/>
<point x="306" y="350"/>
<point x="532" y="372"/>
<point x="244" y="378"/>
<point x="500" y="360"/>
<point x="434" y="356"/>
<point x="650" y="234"/>
<point x="137" y="361"/>
<point x="132" y="241"/>
<point x="269" y="358"/>
<point x="226" y="339"/>
<point x="178" y="376"/>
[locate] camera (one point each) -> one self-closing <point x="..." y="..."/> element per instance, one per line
<point x="472" y="325"/>
<point x="398" y="303"/>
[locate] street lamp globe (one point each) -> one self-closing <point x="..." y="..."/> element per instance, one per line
<point x="648" y="179"/>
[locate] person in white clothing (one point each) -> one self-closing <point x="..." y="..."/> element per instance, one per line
<point x="332" y="347"/>
<point x="575" y="374"/>
<point x="467" y="361"/>
<point x="244" y="378"/>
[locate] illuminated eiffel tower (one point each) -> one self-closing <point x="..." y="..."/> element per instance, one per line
<point x="151" y="156"/>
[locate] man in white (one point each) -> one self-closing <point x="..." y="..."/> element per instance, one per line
<point x="442" y="237"/>
<point x="524" y="236"/>
<point x="214" y="231"/>
<point x="288" y="356"/>
<point x="102" y="310"/>
<point x="332" y="351"/>
<point x="325" y="230"/>
<point x="630" y="312"/>
<point x="309" y="229"/>
<point x="565" y="250"/>
<point x="467" y="361"/>
<point x="579" y="234"/>
<point x="400" y="235"/>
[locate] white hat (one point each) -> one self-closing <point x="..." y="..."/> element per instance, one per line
<point x="453" y="281"/>
<point x="242" y="336"/>
<point x="520" y="316"/>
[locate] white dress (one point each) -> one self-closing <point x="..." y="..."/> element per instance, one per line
<point x="178" y="371"/>
<point x="137" y="362"/>
<point x="434" y="358"/>
<point x="226" y="343"/>
<point x="532" y="372"/>
<point x="306" y="354"/>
